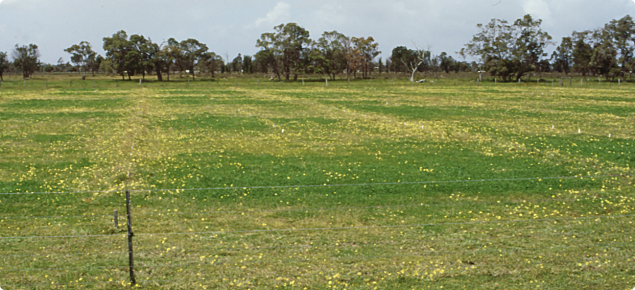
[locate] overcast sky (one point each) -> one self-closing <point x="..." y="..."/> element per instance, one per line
<point x="232" y="27"/>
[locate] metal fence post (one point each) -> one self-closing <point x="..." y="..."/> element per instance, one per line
<point x="130" y="235"/>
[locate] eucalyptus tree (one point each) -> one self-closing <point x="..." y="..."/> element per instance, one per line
<point x="581" y="52"/>
<point x="531" y="43"/>
<point x="563" y="56"/>
<point x="354" y="57"/>
<point x="368" y="51"/>
<point x="142" y="54"/>
<point x="172" y="53"/>
<point x="409" y="60"/>
<point x="329" y="54"/>
<point x="400" y="58"/>
<point x="248" y="64"/>
<point x="622" y="35"/>
<point x="159" y="58"/>
<point x="294" y="41"/>
<point x="285" y="50"/>
<point x="4" y="64"/>
<point x="509" y="50"/>
<point x="237" y="64"/>
<point x="121" y="54"/>
<point x="267" y="58"/>
<point x="604" y="58"/>
<point x="26" y="58"/>
<point x="213" y="62"/>
<point x="446" y="62"/>
<point x="193" y="51"/>
<point x="83" y="56"/>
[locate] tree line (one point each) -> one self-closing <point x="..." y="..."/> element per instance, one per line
<point x="505" y="50"/>
<point x="510" y="51"/>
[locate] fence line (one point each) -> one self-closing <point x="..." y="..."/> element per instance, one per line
<point x="424" y="254"/>
<point x="382" y="183"/>
<point x="353" y="274"/>
<point x="296" y="209"/>
<point x="68" y="254"/>
<point x="63" y="284"/>
<point x="60" y="237"/>
<point x="300" y="246"/>
<point x="306" y="245"/>
<point x="352" y="207"/>
<point x="61" y="192"/>
<point x="471" y="266"/>
<point x="321" y="229"/>
<point x="67" y="268"/>
<point x="380" y="226"/>
<point x="55" y="216"/>
<point x="379" y="243"/>
<point x="324" y="185"/>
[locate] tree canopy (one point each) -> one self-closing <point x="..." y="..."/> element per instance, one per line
<point x="26" y="58"/>
<point x="4" y="64"/>
<point x="509" y="50"/>
<point x="83" y="56"/>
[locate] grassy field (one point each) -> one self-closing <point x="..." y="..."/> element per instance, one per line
<point x="250" y="184"/>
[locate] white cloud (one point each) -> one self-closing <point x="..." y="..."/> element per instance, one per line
<point x="537" y="8"/>
<point x="281" y="10"/>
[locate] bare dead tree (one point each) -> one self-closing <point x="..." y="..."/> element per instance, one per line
<point x="417" y="58"/>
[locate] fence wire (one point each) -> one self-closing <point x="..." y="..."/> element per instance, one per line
<point x="383" y="226"/>
<point x="322" y="229"/>
<point x="304" y="246"/>
<point x="219" y="211"/>
<point x="321" y="185"/>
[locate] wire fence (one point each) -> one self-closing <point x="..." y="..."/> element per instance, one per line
<point x="323" y="185"/>
<point x="304" y="246"/>
<point x="584" y="233"/>
<point x="220" y="211"/>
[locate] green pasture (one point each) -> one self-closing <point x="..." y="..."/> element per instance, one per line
<point x="245" y="183"/>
